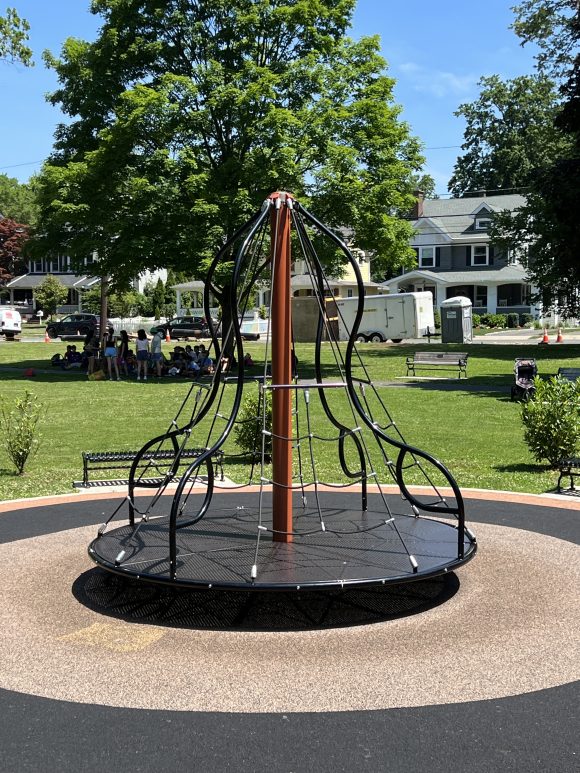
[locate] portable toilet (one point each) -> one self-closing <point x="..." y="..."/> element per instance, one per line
<point x="456" y="321"/>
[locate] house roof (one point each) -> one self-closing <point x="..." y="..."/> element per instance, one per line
<point x="32" y="281"/>
<point x="507" y="275"/>
<point x="194" y="286"/>
<point x="454" y="218"/>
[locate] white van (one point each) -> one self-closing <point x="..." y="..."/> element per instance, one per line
<point x="10" y="322"/>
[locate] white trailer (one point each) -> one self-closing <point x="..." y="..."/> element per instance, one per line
<point x="395" y="317"/>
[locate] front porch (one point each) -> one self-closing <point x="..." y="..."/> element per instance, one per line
<point x="501" y="291"/>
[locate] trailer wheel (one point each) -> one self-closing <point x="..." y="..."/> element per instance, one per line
<point x="396" y="340"/>
<point x="376" y="338"/>
<point x="361" y="339"/>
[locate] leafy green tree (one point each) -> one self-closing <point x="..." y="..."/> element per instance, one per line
<point x="17" y="200"/>
<point x="549" y="24"/>
<point x="50" y="294"/>
<point x="509" y="133"/>
<point x="545" y="231"/>
<point x="185" y="116"/>
<point x="13" y="37"/>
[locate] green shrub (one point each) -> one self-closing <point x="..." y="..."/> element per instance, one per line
<point x="552" y="419"/>
<point x="249" y="424"/>
<point x="476" y="320"/>
<point x="437" y="318"/>
<point x="19" y="429"/>
<point x="263" y="312"/>
<point x="526" y="320"/>
<point x="494" y="320"/>
<point x="513" y="320"/>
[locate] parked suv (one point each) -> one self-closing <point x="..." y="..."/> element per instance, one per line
<point x="73" y="326"/>
<point x="185" y="327"/>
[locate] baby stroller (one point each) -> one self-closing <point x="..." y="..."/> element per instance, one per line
<point x="525" y="370"/>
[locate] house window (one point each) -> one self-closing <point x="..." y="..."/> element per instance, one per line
<point x="480" y="297"/>
<point x="37" y="267"/>
<point x="482" y="223"/>
<point x="426" y="257"/>
<point x="479" y="255"/>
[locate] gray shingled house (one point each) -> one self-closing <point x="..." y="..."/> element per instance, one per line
<point x="455" y="256"/>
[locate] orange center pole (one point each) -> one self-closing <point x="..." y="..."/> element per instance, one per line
<point x="281" y="370"/>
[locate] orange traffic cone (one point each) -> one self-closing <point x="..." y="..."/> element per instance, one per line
<point x="545" y="339"/>
<point x="167" y="336"/>
<point x="46" y="337"/>
<point x="559" y="337"/>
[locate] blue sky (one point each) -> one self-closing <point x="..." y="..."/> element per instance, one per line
<point x="436" y="52"/>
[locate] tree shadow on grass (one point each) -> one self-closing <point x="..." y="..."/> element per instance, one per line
<point x="521" y="467"/>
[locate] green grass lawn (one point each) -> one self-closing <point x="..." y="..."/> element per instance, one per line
<point x="476" y="433"/>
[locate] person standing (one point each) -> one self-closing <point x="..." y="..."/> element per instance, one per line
<point x="156" y="355"/>
<point x="142" y="352"/>
<point x="90" y="349"/>
<point x="123" y="352"/>
<point x="110" y="347"/>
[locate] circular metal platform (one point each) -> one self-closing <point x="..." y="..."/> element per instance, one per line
<point x="227" y="550"/>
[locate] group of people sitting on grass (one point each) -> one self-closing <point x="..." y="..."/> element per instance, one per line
<point x="113" y="357"/>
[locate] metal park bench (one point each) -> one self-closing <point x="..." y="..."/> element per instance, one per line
<point x="437" y="360"/>
<point x="571" y="374"/>
<point x="123" y="460"/>
<point x="569" y="468"/>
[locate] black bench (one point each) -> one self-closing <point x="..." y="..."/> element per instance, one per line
<point x="569" y="468"/>
<point x="571" y="374"/>
<point x="437" y="360"/>
<point x="123" y="460"/>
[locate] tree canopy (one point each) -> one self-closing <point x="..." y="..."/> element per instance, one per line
<point x="550" y="24"/>
<point x="509" y="133"/>
<point x="13" y="237"/>
<point x="546" y="230"/>
<point x="13" y="37"/>
<point x="186" y="115"/>
<point x="17" y="200"/>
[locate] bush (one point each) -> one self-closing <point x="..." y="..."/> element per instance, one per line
<point x="526" y="320"/>
<point x="552" y="419"/>
<point x="19" y="429"/>
<point x="249" y="424"/>
<point x="476" y="320"/>
<point x="494" y="320"/>
<point x="513" y="320"/>
<point x="437" y="318"/>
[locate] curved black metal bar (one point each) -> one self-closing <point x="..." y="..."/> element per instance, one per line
<point x="403" y="447"/>
<point x="344" y="430"/>
<point x="176" y="506"/>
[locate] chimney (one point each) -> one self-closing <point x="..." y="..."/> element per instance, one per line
<point x="417" y="210"/>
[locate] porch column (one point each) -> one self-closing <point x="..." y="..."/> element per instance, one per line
<point x="492" y="299"/>
<point x="178" y="301"/>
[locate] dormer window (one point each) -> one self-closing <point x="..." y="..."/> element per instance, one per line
<point x="482" y="223"/>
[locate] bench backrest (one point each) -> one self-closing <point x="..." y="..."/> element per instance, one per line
<point x="434" y="357"/>
<point x="569" y="373"/>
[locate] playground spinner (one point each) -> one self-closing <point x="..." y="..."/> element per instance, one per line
<point x="285" y="527"/>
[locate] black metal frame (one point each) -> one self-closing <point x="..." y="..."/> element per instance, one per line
<point x="246" y="270"/>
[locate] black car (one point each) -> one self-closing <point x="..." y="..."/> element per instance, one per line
<point x="74" y="326"/>
<point x="185" y="327"/>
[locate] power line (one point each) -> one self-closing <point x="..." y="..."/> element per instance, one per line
<point x="26" y="163"/>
